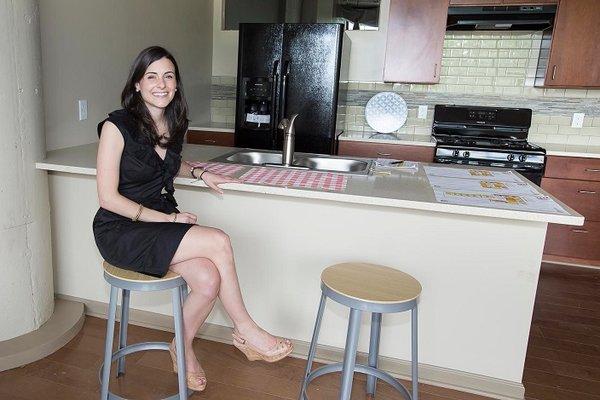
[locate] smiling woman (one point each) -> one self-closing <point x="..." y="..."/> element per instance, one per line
<point x="138" y="226"/>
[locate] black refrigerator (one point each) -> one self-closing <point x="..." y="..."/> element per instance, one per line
<point x="286" y="69"/>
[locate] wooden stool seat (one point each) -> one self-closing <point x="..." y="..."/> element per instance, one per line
<point x="371" y="283"/>
<point x="133" y="276"/>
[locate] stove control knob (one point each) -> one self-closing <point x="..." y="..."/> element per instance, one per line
<point x="456" y="153"/>
<point x="522" y="158"/>
<point x="466" y="154"/>
<point x="510" y="157"/>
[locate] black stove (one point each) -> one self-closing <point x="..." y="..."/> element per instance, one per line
<point x="487" y="136"/>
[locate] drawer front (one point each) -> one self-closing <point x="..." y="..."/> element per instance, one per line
<point x="585" y="169"/>
<point x="378" y="150"/>
<point x="582" y="196"/>
<point x="574" y="241"/>
<point x="210" y="138"/>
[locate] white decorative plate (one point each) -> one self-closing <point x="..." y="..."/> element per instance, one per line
<point x="386" y="112"/>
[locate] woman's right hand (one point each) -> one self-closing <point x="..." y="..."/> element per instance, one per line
<point x="183" y="218"/>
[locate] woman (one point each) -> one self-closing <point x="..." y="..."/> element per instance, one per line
<point x="139" y="228"/>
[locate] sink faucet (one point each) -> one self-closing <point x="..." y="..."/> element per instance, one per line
<point x="288" y="140"/>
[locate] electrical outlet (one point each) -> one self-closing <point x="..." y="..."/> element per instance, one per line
<point x="422" y="113"/>
<point x="82" y="108"/>
<point x="577" y="121"/>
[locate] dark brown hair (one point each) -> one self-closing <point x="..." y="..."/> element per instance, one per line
<point x="175" y="112"/>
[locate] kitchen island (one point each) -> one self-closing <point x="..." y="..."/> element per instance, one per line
<point x="478" y="266"/>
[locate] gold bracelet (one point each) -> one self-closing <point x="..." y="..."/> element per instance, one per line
<point x="137" y="216"/>
<point x="174" y="217"/>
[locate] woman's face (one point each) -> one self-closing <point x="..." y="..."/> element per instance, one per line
<point x="158" y="85"/>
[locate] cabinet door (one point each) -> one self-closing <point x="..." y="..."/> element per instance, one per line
<point x="210" y="138"/>
<point x="377" y="150"/>
<point x="499" y="2"/>
<point x="575" y="45"/>
<point x="415" y="39"/>
<point x="582" y="196"/>
<point x="574" y="241"/>
<point x="584" y="169"/>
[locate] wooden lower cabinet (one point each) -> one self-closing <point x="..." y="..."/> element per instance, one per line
<point x="578" y="242"/>
<point x="582" y="196"/>
<point x="210" y="138"/>
<point x="576" y="182"/>
<point x="382" y="150"/>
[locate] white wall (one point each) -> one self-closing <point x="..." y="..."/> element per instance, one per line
<point x="367" y="54"/>
<point x="88" y="46"/>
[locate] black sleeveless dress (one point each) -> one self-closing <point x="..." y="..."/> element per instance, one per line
<point x="146" y="247"/>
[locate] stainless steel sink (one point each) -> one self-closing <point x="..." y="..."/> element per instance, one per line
<point x="252" y="158"/>
<point x="333" y="164"/>
<point x="301" y="160"/>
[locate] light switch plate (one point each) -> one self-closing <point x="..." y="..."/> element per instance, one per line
<point x="422" y="114"/>
<point x="82" y="108"/>
<point x="577" y="121"/>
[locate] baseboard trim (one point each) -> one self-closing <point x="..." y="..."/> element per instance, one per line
<point x="66" y="321"/>
<point x="428" y="374"/>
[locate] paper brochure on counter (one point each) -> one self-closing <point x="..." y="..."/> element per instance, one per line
<point x="480" y="187"/>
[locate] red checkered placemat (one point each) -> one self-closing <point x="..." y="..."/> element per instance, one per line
<point x="218" y="168"/>
<point x="297" y="179"/>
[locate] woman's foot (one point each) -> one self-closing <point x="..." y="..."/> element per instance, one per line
<point x="195" y="376"/>
<point x="257" y="344"/>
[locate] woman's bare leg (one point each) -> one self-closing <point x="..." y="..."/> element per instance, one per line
<point x="214" y="244"/>
<point x="204" y="281"/>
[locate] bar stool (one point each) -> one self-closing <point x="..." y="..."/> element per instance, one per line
<point x="126" y="281"/>
<point x="375" y="289"/>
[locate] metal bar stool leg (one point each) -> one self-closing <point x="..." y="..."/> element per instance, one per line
<point x="373" y="351"/>
<point x="108" y="343"/>
<point x="350" y="354"/>
<point x="178" y="319"/>
<point x="313" y="345"/>
<point x="123" y="329"/>
<point x="184" y="293"/>
<point x="414" y="356"/>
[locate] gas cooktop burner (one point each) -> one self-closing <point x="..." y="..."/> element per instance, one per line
<point x="487" y="143"/>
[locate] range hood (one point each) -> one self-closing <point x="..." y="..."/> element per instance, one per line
<point x="525" y="18"/>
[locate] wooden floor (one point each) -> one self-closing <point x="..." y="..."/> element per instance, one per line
<point x="563" y="360"/>
<point x="563" y="357"/>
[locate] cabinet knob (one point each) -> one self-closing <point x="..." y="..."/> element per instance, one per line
<point x="592" y="170"/>
<point x="435" y="70"/>
<point x="553" y="72"/>
<point x="582" y="191"/>
<point x="209" y="141"/>
<point x="383" y="154"/>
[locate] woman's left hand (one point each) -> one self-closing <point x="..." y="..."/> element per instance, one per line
<point x="214" y="180"/>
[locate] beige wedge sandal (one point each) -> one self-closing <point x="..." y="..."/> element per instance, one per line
<point x="195" y="380"/>
<point x="282" y="349"/>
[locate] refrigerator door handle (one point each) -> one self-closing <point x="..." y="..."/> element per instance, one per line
<point x="274" y="110"/>
<point x="285" y="73"/>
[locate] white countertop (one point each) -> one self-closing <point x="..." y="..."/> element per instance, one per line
<point x="401" y="189"/>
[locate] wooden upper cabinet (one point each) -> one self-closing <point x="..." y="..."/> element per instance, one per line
<point x="575" y="45"/>
<point x="415" y="38"/>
